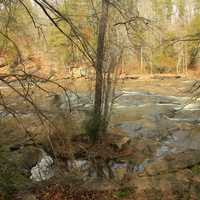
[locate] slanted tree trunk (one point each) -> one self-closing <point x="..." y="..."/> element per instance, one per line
<point x="99" y="64"/>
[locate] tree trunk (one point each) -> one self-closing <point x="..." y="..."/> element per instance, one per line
<point x="99" y="61"/>
<point x="141" y="60"/>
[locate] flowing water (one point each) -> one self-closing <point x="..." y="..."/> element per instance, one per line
<point x="173" y="121"/>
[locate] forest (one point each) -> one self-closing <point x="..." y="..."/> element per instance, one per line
<point x="99" y="99"/>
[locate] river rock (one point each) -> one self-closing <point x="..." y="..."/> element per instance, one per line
<point x="122" y="142"/>
<point x="43" y="169"/>
<point x="120" y="170"/>
<point x="30" y="152"/>
<point x="24" y="158"/>
<point x="173" y="163"/>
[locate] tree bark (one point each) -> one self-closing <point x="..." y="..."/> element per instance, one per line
<point x="100" y="58"/>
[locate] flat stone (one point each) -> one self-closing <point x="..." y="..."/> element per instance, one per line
<point x="124" y="141"/>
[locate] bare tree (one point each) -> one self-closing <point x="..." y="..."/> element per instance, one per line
<point x="96" y="56"/>
<point x="99" y="64"/>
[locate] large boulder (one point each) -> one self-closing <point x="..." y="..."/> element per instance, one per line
<point x="25" y="157"/>
<point x="173" y="163"/>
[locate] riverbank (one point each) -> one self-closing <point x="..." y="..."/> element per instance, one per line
<point x="152" y="149"/>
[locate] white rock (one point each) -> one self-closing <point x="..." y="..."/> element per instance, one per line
<point x="43" y="170"/>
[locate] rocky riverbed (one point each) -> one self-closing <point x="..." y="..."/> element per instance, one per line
<point x="155" y="137"/>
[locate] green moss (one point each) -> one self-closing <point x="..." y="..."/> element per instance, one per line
<point x="196" y="169"/>
<point x="124" y="192"/>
